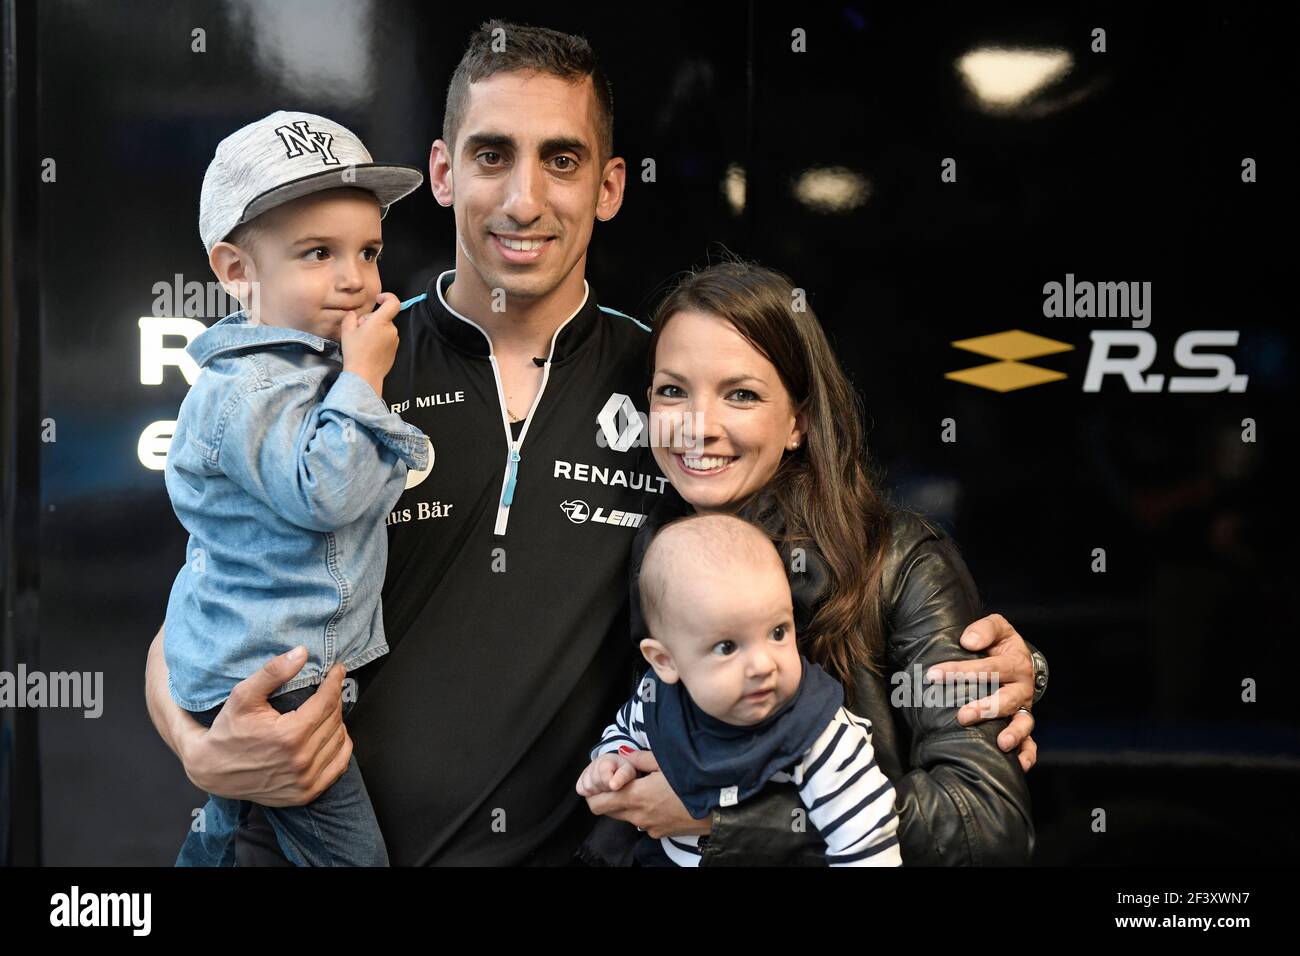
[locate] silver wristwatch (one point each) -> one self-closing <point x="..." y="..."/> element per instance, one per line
<point x="1040" y="671"/>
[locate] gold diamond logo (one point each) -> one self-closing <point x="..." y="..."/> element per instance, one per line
<point x="1005" y="376"/>
<point x="1010" y="373"/>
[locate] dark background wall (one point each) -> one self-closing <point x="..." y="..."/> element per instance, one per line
<point x="1127" y="167"/>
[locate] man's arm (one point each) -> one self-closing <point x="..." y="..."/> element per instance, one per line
<point x="174" y="725"/>
<point x="252" y="751"/>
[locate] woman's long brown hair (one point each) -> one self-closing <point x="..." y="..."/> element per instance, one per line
<point x="824" y="488"/>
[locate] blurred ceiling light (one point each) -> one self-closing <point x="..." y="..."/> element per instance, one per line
<point x="832" y="189"/>
<point x="1004" y="79"/>
<point x="733" y="187"/>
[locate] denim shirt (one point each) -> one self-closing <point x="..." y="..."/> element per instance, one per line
<point x="283" y="468"/>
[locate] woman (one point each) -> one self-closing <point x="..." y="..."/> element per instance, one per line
<point x="778" y="439"/>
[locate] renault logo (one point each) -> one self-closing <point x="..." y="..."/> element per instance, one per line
<point x="620" y="439"/>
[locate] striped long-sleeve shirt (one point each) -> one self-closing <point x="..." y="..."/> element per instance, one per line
<point x="849" y="799"/>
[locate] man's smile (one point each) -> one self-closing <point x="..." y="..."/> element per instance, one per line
<point x="521" y="248"/>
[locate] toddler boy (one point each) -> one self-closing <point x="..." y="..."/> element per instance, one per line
<point x="284" y="461"/>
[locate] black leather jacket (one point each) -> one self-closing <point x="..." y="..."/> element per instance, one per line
<point x="961" y="800"/>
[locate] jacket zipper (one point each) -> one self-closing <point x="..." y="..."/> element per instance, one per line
<point x="510" y="479"/>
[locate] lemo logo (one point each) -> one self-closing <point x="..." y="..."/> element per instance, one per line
<point x="577" y="510"/>
<point x="1010" y="372"/>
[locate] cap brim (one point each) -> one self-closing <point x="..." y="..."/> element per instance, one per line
<point x="389" y="183"/>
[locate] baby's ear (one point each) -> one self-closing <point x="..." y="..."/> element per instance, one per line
<point x="661" y="659"/>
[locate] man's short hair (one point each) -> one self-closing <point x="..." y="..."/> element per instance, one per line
<point x="528" y="49"/>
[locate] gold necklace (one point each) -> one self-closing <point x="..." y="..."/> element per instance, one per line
<point x="513" y="416"/>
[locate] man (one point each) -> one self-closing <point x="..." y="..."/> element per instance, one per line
<point x="505" y="603"/>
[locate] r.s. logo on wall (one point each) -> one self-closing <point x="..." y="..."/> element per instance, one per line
<point x="1073" y="299"/>
<point x="1011" y="372"/>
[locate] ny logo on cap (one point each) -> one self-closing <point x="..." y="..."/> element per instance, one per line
<point x="299" y="139"/>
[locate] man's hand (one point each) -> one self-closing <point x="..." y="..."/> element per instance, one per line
<point x="607" y="773"/>
<point x="252" y="751"/>
<point x="648" y="802"/>
<point x="369" y="341"/>
<point x="1009" y="658"/>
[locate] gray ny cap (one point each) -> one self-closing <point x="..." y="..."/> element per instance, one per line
<point x="282" y="157"/>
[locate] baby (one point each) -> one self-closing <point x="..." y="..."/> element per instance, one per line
<point x="285" y="460"/>
<point x="730" y="704"/>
